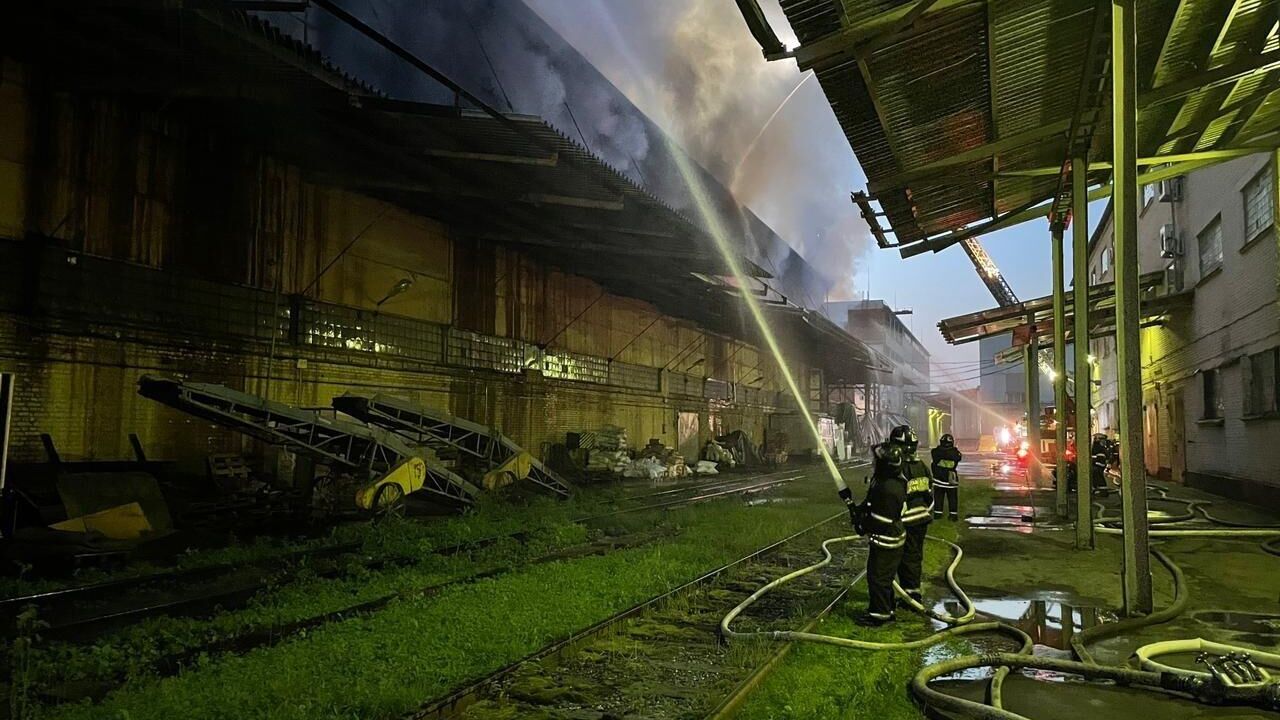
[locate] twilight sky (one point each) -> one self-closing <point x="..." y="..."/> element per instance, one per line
<point x="692" y="66"/>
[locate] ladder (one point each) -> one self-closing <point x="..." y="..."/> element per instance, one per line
<point x="366" y="452"/>
<point x="438" y="430"/>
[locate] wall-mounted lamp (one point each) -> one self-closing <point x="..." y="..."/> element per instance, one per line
<point x="397" y="289"/>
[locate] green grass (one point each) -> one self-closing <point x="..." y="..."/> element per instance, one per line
<point x="823" y="681"/>
<point x="386" y="663"/>
<point x="490" y="516"/>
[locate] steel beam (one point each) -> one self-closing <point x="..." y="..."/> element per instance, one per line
<point x="1059" y="370"/>
<point x="1084" y="370"/>
<point x="1133" y="490"/>
<point x="1036" y="212"/>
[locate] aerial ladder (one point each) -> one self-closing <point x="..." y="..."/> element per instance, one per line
<point x="368" y="467"/>
<point x="499" y="458"/>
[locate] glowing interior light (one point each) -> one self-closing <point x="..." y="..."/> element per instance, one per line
<point x="1093" y="360"/>
<point x="1006" y="437"/>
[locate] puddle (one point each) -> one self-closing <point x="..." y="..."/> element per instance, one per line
<point x="1242" y="622"/>
<point x="1026" y="512"/>
<point x="1051" y="621"/>
<point x="1014" y="524"/>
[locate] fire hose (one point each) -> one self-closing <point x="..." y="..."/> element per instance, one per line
<point x="1214" y="687"/>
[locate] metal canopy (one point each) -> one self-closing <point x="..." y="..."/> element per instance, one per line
<point x="1000" y="321"/>
<point x="959" y="111"/>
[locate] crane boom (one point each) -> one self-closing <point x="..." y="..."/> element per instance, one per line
<point x="989" y="273"/>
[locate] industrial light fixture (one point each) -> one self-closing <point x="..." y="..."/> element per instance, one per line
<point x="396" y="289"/>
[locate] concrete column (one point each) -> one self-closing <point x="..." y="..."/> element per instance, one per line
<point x="1060" y="370"/>
<point x="1080" y="331"/>
<point x="1137" y="558"/>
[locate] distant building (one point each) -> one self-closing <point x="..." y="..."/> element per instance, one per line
<point x="1210" y="372"/>
<point x="898" y="395"/>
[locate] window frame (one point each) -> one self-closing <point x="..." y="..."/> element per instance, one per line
<point x="1271" y="406"/>
<point x="1267" y="177"/>
<point x="1214" y="224"/>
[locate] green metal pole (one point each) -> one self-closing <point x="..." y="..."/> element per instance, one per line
<point x="1060" y="371"/>
<point x="1133" y="483"/>
<point x="1032" y="364"/>
<point x="1084" y="370"/>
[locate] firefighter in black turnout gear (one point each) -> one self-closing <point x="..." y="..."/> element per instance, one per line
<point x="946" y="478"/>
<point x="917" y="511"/>
<point x="880" y="518"/>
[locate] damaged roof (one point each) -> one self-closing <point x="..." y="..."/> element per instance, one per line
<point x="959" y="111"/>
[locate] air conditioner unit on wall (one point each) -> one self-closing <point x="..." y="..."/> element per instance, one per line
<point x="1169" y="190"/>
<point x="1170" y="245"/>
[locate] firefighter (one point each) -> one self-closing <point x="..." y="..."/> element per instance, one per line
<point x="917" y="511"/>
<point x="946" y="478"/>
<point x="880" y="517"/>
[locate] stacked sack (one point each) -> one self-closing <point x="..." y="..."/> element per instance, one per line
<point x="607" y="449"/>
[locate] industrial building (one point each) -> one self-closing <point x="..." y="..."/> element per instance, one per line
<point x="204" y="239"/>
<point x="1209" y="366"/>
<point x="379" y="359"/>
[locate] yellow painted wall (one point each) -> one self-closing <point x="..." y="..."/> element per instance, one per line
<point x="119" y="182"/>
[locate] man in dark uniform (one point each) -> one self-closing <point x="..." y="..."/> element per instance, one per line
<point x="880" y="517"/>
<point x="917" y="512"/>
<point x="946" y="478"/>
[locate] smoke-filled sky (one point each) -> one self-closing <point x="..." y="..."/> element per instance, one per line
<point x="693" y="67"/>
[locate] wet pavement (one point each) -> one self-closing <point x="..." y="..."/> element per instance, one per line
<point x="1034" y="579"/>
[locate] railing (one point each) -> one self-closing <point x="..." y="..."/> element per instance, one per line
<point x="79" y="293"/>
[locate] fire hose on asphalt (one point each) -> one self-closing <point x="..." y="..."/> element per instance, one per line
<point x="1203" y="687"/>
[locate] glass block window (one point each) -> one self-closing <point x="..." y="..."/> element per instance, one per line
<point x="1259" y="209"/>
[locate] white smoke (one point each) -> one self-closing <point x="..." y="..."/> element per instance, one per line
<point x="694" y="68"/>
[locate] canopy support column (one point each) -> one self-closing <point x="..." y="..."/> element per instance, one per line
<point x="1080" y="333"/>
<point x="1061" y="506"/>
<point x="1137" y="559"/>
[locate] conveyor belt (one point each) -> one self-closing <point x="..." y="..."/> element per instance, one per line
<point x="418" y="425"/>
<point x="367" y="452"/>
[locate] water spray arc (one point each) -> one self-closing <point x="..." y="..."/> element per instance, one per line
<point x="715" y="228"/>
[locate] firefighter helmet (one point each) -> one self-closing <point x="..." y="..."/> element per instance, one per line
<point x="891" y="455"/>
<point x="947" y="441"/>
<point x="904" y="437"/>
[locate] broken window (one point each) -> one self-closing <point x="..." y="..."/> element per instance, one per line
<point x="1213" y="405"/>
<point x="1261" y="371"/>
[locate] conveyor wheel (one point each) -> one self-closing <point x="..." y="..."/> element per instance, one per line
<point x="389" y="501"/>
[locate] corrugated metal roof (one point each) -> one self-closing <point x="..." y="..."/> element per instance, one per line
<point x="967" y="75"/>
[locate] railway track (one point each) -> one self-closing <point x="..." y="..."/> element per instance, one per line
<point x="662" y="657"/>
<point x="83" y="613"/>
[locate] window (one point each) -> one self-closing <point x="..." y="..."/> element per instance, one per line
<point x="1258" y="209"/>
<point x="1261" y="375"/>
<point x="1106" y="259"/>
<point x="1093" y="277"/>
<point x="1149" y="193"/>
<point x="1213" y="406"/>
<point x="1211" y="247"/>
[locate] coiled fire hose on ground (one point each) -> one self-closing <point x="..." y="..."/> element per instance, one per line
<point x="1161" y="678"/>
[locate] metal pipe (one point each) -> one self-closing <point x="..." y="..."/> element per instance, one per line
<point x="1138" y="599"/>
<point x="1080" y="332"/>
